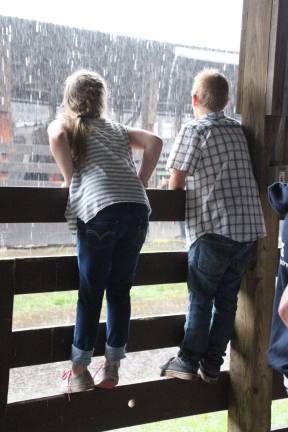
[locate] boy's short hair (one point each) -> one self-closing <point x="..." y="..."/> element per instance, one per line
<point x="212" y="89"/>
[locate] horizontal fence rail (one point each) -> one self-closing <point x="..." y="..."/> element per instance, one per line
<point x="101" y="410"/>
<point x="91" y="411"/>
<point x="157" y="400"/>
<point x="53" y="344"/>
<point x="23" y="205"/>
<point x="36" y="275"/>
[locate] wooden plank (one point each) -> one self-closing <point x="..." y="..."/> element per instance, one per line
<point x="6" y="311"/>
<point x="278" y="389"/>
<point x="36" y="275"/>
<point x="242" y="57"/>
<point x="48" y="204"/>
<point x="53" y="344"/>
<point x="251" y="378"/>
<point x="276" y="97"/>
<point x="277" y="127"/>
<point x="100" y="410"/>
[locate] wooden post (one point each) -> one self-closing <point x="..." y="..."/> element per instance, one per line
<point x="251" y="378"/>
<point x="6" y="310"/>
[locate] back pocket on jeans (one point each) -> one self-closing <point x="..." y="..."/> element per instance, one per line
<point x="213" y="258"/>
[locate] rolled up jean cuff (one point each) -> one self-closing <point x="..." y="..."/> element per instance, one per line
<point x="80" y="356"/>
<point x="115" y="353"/>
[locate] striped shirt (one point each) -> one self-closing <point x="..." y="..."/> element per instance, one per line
<point x="221" y="193"/>
<point x="108" y="176"/>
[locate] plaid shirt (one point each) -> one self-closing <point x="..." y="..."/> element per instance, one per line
<point x="221" y="192"/>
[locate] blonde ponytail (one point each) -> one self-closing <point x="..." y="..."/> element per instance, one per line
<point x="85" y="97"/>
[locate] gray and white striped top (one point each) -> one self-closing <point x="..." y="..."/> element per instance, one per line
<point x="108" y="175"/>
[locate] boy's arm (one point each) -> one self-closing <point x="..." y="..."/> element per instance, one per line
<point x="184" y="157"/>
<point x="283" y="307"/>
<point x="60" y="149"/>
<point x="177" y="179"/>
<point x="151" y="145"/>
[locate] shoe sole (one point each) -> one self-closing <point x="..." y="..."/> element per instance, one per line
<point x="75" y="390"/>
<point x="208" y="380"/>
<point x="189" y="376"/>
<point x="108" y="384"/>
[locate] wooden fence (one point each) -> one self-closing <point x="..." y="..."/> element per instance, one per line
<point x="97" y="410"/>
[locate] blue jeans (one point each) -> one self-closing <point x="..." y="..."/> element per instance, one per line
<point x="278" y="347"/>
<point x="216" y="265"/>
<point x="108" y="250"/>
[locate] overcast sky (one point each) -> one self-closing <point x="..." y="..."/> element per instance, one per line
<point x="202" y="23"/>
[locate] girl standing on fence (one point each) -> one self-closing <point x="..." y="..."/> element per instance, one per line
<point x="109" y="209"/>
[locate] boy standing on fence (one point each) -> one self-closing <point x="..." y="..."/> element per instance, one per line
<point x="210" y="158"/>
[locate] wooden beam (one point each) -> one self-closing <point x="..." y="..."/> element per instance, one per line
<point x="37" y="275"/>
<point x="53" y="344"/>
<point x="251" y="378"/>
<point x="6" y="311"/>
<point x="276" y="96"/>
<point x="278" y="389"/>
<point x="101" y="410"/>
<point x="242" y="57"/>
<point x="25" y="204"/>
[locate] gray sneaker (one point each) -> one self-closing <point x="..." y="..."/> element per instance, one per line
<point x="208" y="377"/>
<point x="77" y="384"/>
<point x="107" y="376"/>
<point x="176" y="369"/>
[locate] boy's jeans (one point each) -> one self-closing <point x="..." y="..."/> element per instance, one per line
<point x="108" y="250"/>
<point x="216" y="265"/>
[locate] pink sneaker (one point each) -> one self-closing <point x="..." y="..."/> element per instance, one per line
<point x="107" y="376"/>
<point x="77" y="384"/>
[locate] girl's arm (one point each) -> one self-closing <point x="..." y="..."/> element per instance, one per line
<point x="151" y="145"/>
<point x="60" y="149"/>
<point x="283" y="307"/>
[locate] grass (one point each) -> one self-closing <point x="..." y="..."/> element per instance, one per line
<point x="151" y="293"/>
<point x="214" y="422"/>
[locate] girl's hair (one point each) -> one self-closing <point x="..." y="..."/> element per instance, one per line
<point x="212" y="89"/>
<point x="85" y="97"/>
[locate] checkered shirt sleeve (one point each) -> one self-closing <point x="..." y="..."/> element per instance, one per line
<point x="186" y="151"/>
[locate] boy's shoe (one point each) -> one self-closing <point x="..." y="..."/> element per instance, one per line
<point x="72" y="384"/>
<point x="107" y="376"/>
<point x="208" y="377"/>
<point x="176" y="369"/>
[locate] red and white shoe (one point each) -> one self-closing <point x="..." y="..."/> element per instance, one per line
<point x="107" y="376"/>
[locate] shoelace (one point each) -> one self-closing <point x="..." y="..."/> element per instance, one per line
<point x="67" y="374"/>
<point x="97" y="370"/>
<point x="109" y="368"/>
